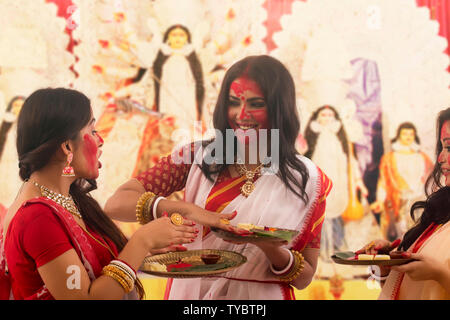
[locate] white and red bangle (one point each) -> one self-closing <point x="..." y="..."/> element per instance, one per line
<point x="377" y="278"/>
<point x="155" y="205"/>
<point x="125" y="267"/>
<point x="287" y="268"/>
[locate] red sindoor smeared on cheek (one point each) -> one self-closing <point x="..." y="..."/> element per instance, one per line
<point x="90" y="152"/>
<point x="445" y="134"/>
<point x="261" y="117"/>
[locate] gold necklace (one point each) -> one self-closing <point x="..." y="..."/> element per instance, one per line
<point x="248" y="186"/>
<point x="65" y="201"/>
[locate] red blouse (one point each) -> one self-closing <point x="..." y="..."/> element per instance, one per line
<point x="35" y="237"/>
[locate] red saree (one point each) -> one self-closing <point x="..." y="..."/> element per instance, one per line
<point x="78" y="239"/>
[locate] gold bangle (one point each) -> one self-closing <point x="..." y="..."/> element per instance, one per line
<point x="121" y="281"/>
<point x="296" y="269"/>
<point x="147" y="211"/>
<point x="126" y="282"/>
<point x="141" y="216"/>
<point x="120" y="276"/>
<point x="122" y="273"/>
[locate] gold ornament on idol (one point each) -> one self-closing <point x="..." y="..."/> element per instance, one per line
<point x="65" y="201"/>
<point x="249" y="175"/>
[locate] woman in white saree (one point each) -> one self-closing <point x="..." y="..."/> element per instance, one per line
<point x="257" y="94"/>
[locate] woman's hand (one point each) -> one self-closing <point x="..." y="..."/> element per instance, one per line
<point x="379" y="246"/>
<point x="425" y="267"/>
<point x="199" y="215"/>
<point x="162" y="233"/>
<point x="172" y="248"/>
<point x="209" y="218"/>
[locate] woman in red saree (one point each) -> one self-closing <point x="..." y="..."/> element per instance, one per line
<point x="57" y="243"/>
<point x="257" y="95"/>
<point x="428" y="242"/>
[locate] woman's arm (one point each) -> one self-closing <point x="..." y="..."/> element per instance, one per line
<point x="66" y="277"/>
<point x="122" y="204"/>
<point x="279" y="257"/>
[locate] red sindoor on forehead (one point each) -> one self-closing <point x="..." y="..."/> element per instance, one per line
<point x="445" y="130"/>
<point x="242" y="84"/>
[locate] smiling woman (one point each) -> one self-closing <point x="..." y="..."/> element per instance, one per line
<point x="257" y="94"/>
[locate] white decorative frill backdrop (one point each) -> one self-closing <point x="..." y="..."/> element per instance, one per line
<point x="320" y="38"/>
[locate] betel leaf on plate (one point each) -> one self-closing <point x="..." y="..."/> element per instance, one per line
<point x="286" y="235"/>
<point x="203" y="267"/>
<point x="345" y="255"/>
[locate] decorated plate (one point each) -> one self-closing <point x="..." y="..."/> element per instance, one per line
<point x="265" y="234"/>
<point x="189" y="264"/>
<point x="350" y="258"/>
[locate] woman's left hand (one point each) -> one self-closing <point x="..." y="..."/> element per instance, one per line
<point x="424" y="268"/>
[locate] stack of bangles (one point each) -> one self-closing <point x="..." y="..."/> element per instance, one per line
<point x="121" y="272"/>
<point x="146" y="207"/>
<point x="293" y="268"/>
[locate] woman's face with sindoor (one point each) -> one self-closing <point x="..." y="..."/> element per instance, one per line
<point x="247" y="108"/>
<point x="87" y="152"/>
<point x="444" y="156"/>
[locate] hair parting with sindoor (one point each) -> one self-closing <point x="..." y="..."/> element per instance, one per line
<point x="48" y="118"/>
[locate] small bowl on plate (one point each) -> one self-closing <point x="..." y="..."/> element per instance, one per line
<point x="210" y="258"/>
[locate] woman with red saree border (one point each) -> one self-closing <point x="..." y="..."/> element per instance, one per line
<point x="257" y="93"/>
<point x="57" y="242"/>
<point x="428" y="241"/>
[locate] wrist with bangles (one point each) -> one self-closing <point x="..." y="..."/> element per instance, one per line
<point x="379" y="278"/>
<point x="293" y="269"/>
<point x="146" y="207"/>
<point x="121" y="271"/>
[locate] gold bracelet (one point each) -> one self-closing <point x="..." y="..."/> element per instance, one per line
<point x="141" y="205"/>
<point x="120" y="276"/>
<point x="296" y="269"/>
<point x="121" y="281"/>
<point x="147" y="213"/>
